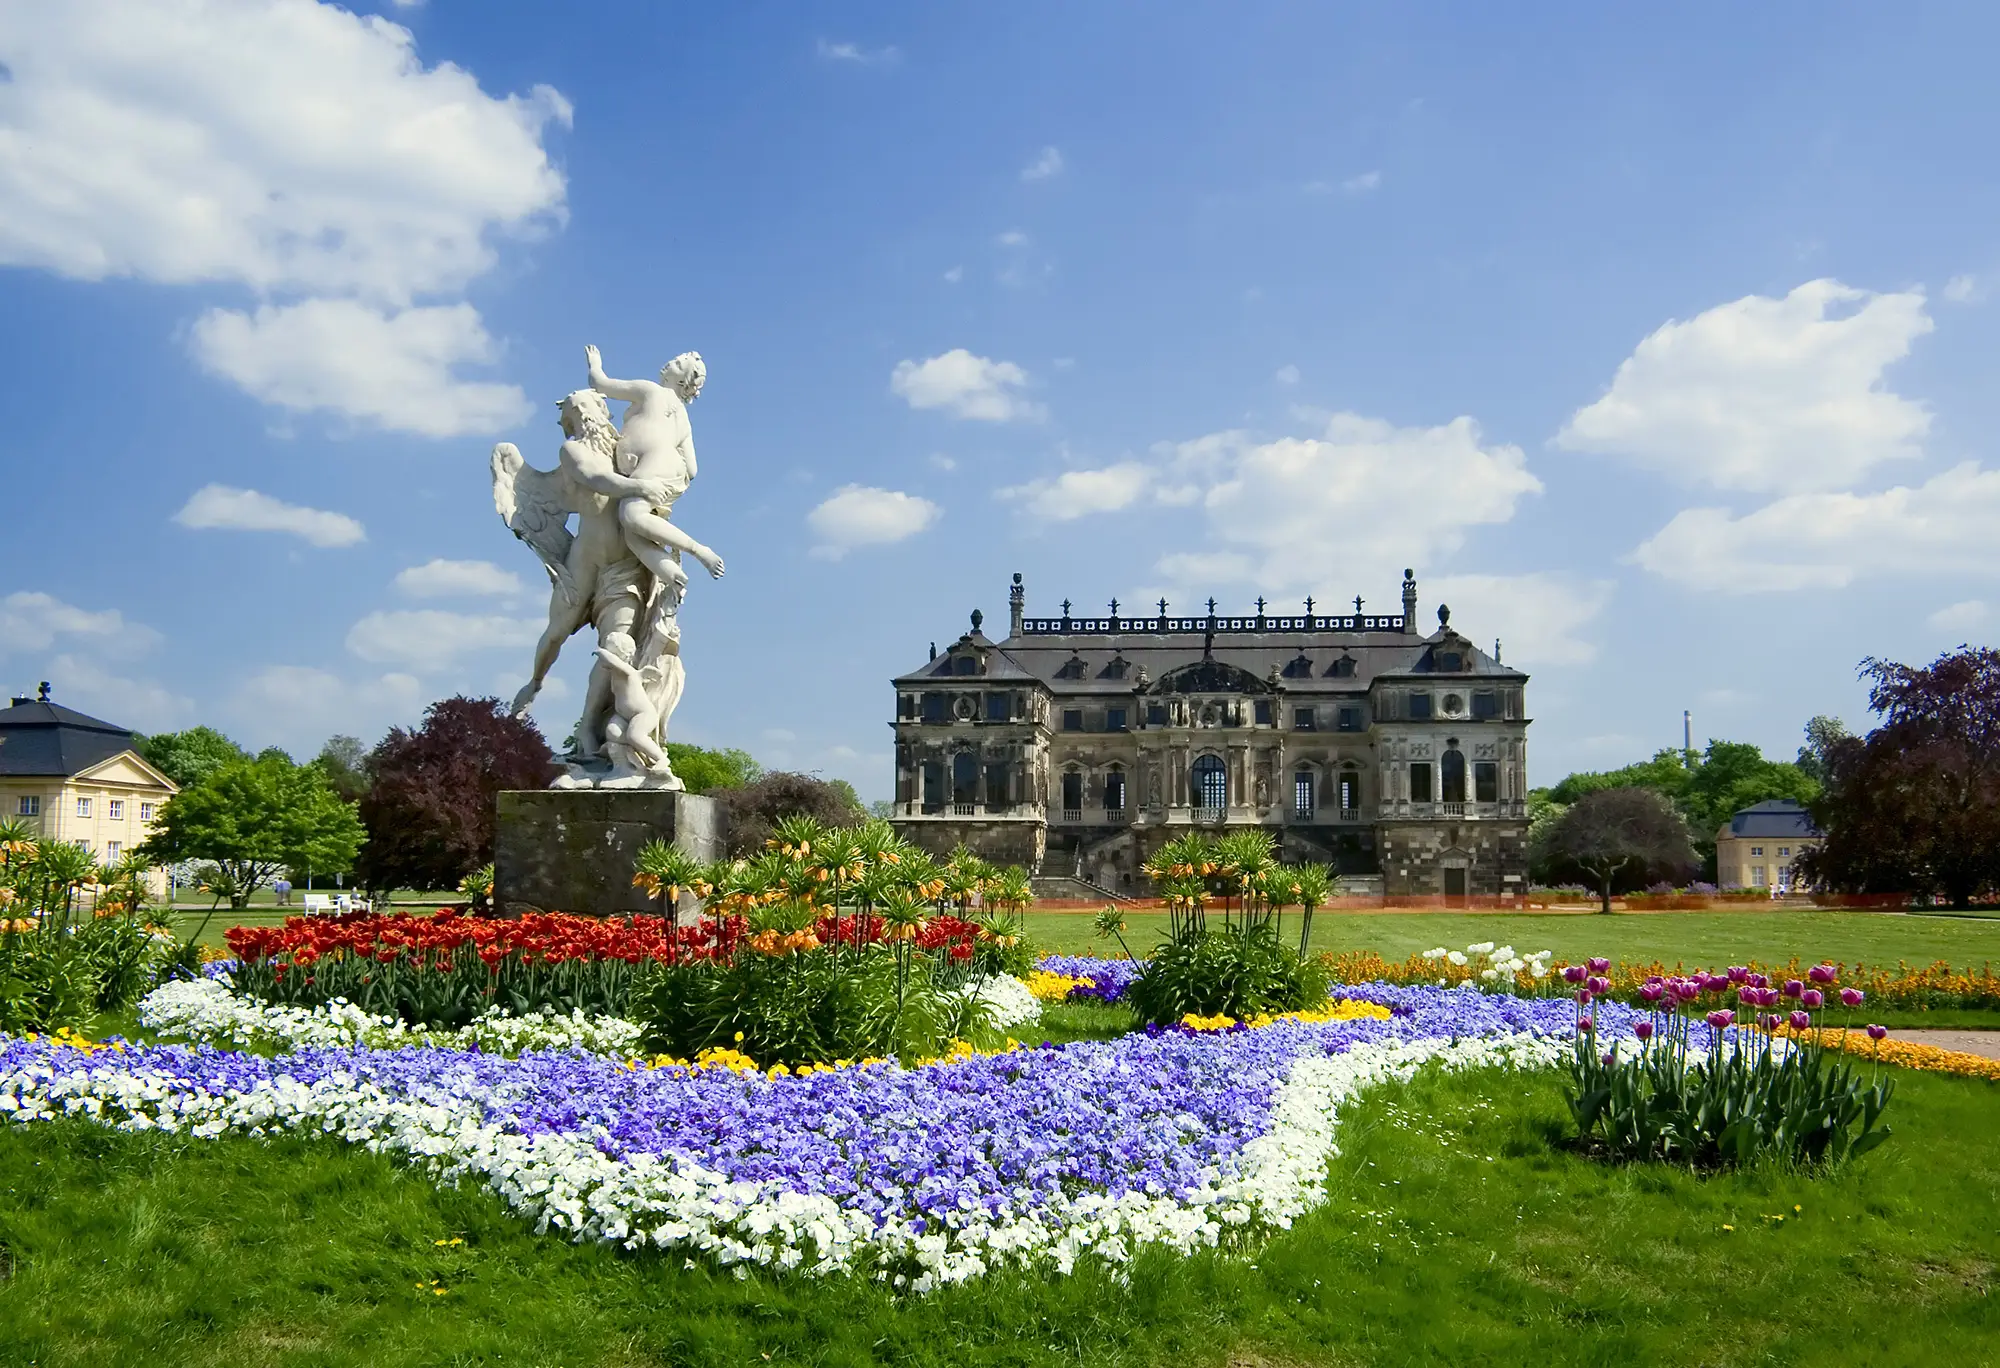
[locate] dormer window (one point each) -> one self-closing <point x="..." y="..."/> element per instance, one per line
<point x="1342" y="668"/>
<point x="1299" y="667"/>
<point x="1073" y="668"/>
<point x="965" y="665"/>
<point x="1115" y="670"/>
<point x="1450" y="662"/>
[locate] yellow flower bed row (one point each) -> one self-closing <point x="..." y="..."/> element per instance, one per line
<point x="1347" y="1009"/>
<point x="1906" y="1054"/>
<point x="1050" y="987"/>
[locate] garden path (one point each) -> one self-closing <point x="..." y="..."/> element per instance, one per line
<point x="1985" y="1044"/>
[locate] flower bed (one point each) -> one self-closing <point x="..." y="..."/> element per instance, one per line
<point x="921" y="1175"/>
<point x="1096" y="979"/>
<point x="1908" y="1054"/>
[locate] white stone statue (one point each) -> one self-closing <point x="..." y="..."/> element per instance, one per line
<point x="619" y="570"/>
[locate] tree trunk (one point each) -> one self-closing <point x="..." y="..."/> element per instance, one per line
<point x="1605" y="906"/>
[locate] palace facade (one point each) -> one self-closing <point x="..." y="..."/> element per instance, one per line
<point x="1078" y="746"/>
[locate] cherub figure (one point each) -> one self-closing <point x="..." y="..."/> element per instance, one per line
<point x="656" y="443"/>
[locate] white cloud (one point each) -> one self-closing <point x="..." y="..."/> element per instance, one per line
<point x="1540" y="619"/>
<point x="944" y="462"/>
<point x="1363" y="183"/>
<point x="1969" y="616"/>
<point x="1964" y="289"/>
<point x="299" y="706"/>
<point x="1765" y="394"/>
<point x="34" y="621"/>
<point x="218" y="507"/>
<point x="282" y="145"/>
<point x="1827" y="541"/>
<point x="293" y="148"/>
<point x="954" y="275"/>
<point x="1287" y="375"/>
<point x="1075" y="493"/>
<point x="1013" y="237"/>
<point x="139" y="704"/>
<point x="392" y="369"/>
<point x="858" y="516"/>
<point x="967" y="386"/>
<point x="856" y="54"/>
<point x="428" y="640"/>
<point x="1048" y="162"/>
<point x="452" y="578"/>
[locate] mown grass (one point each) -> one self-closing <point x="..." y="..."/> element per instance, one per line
<point x="1458" y="1230"/>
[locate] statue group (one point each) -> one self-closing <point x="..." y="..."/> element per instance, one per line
<point x="619" y="568"/>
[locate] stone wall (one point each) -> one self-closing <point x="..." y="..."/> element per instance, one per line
<point x="1415" y="857"/>
<point x="573" y="850"/>
<point x="1002" y="842"/>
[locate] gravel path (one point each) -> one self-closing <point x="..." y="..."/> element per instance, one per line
<point x="1983" y="1043"/>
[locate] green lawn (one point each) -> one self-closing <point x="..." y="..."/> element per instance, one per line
<point x="1697" y="939"/>
<point x="1458" y="1231"/>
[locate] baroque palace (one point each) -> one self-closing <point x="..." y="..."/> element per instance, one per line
<point x="1079" y="745"/>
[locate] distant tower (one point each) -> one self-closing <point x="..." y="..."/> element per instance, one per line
<point x="1017" y="604"/>
<point x="1409" y="601"/>
<point x="1687" y="731"/>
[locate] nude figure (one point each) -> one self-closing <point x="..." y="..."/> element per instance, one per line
<point x="656" y="444"/>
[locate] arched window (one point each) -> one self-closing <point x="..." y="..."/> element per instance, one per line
<point x="1350" y="791"/>
<point x="1211" y="784"/>
<point x="1114" y="790"/>
<point x="1303" y="793"/>
<point x="1452" y="772"/>
<point x="965" y="778"/>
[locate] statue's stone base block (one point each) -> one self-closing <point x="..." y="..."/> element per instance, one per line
<point x="572" y="850"/>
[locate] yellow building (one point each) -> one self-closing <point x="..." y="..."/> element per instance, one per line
<point x="1761" y="843"/>
<point x="73" y="778"/>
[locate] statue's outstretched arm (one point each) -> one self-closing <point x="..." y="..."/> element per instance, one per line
<point x="629" y="390"/>
<point x="593" y="470"/>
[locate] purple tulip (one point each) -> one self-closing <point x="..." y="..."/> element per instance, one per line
<point x="1573" y="973"/>
<point x="1738" y="974"/>
<point x="1720" y="1020"/>
<point x="1747" y="996"/>
<point x="1822" y="973"/>
<point x="1643" y="1029"/>
<point x="1813" y="997"/>
<point x="1800" y="1020"/>
<point x="1851" y="997"/>
<point x="1793" y="988"/>
<point x="1583" y="996"/>
<point x="1877" y="1032"/>
<point x="1599" y="986"/>
<point x="1687" y="990"/>
<point x="1770" y="997"/>
<point x="1758" y="981"/>
<point x="1583" y="1023"/>
<point x="1652" y="992"/>
<point x="1769" y="1021"/>
<point x="1609" y="1060"/>
<point x="1600" y="966"/>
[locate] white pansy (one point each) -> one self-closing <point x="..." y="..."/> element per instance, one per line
<point x="1004" y="1001"/>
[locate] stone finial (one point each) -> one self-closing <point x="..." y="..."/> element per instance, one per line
<point x="42" y="694"/>
<point x="1444" y="615"/>
<point x="977" y="618"/>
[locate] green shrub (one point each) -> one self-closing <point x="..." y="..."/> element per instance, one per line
<point x="1236" y="972"/>
<point x="800" y="1008"/>
<point x="46" y="982"/>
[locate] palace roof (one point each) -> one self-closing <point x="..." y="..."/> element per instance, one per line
<point x="38" y="737"/>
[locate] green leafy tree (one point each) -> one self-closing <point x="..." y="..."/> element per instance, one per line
<point x="344" y="760"/>
<point x="705" y="771"/>
<point x="188" y="757"/>
<point x="1705" y="787"/>
<point x="252" y="818"/>
<point x="1823" y="737"/>
<point x="753" y="811"/>
<point x="1618" y="836"/>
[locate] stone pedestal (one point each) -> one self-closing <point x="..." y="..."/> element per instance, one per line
<point x="572" y="850"/>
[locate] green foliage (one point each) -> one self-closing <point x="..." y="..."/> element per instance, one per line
<point x="1706" y="786"/>
<point x="1237" y="971"/>
<point x="1736" y="1107"/>
<point x="797" y="1008"/>
<point x="704" y="771"/>
<point x="188" y="757"/>
<point x="429" y="988"/>
<point x="253" y="818"/>
<point x="46" y="982"/>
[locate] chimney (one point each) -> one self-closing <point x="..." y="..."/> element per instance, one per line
<point x="1409" y="601"/>
<point x="1017" y="604"/>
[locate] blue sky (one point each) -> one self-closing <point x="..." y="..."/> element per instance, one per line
<point x="1660" y="346"/>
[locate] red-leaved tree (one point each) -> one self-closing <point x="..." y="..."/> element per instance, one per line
<point x="1915" y="806"/>
<point x="429" y="805"/>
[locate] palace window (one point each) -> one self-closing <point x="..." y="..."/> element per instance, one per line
<point x="1114" y="719"/>
<point x="1072" y="719"/>
<point x="1782" y="850"/>
<point x="1072" y="791"/>
<point x="1452" y="774"/>
<point x="1342" y="668"/>
<point x="937" y="708"/>
<point x="1420" y="706"/>
<point x="29" y="806"/>
<point x="1114" y="790"/>
<point x="1302" y="719"/>
<point x="965" y="665"/>
<point x="1756" y="850"/>
<point x="965" y="777"/>
<point x="145" y="812"/>
<point x="1073" y="668"/>
<point x="1302" y="794"/>
<point x="83" y="807"/>
<point x="1156" y="714"/>
<point x="1485" y="703"/>
<point x="111" y="849"/>
<point x="1420" y="782"/>
<point x="999" y="707"/>
<point x="1451" y="662"/>
<point x="1115" y="670"/>
<point x="906" y="706"/>
<point x="1350" y="719"/>
<point x="1350" y="792"/>
<point x="1485" y="782"/>
<point x="1211" y="784"/>
<point x="1757" y="879"/>
<point x="1298" y="667"/>
<point x="933" y="786"/>
<point x="996" y="785"/>
<point x="1262" y="712"/>
<point x="117" y="812"/>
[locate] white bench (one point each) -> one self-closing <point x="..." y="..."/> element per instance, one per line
<point x="318" y="902"/>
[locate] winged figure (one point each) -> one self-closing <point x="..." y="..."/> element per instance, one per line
<point x="536" y="506"/>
